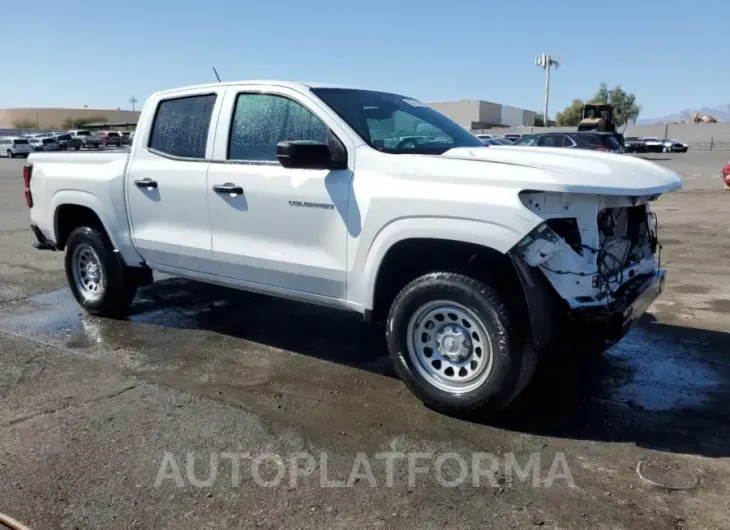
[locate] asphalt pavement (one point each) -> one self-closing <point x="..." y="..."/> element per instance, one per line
<point x="210" y="408"/>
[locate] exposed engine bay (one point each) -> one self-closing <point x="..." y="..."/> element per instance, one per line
<point x="590" y="246"/>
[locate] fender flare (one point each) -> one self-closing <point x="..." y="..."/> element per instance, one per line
<point x="87" y="200"/>
<point x="490" y="235"/>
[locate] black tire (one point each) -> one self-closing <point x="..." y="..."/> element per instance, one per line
<point x="513" y="358"/>
<point x="10" y="153"/>
<point x="118" y="286"/>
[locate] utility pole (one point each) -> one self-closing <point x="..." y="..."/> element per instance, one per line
<point x="133" y="101"/>
<point x="546" y="61"/>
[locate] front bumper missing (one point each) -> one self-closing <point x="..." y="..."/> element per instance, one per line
<point x="617" y="318"/>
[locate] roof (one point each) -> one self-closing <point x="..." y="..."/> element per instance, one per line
<point x="572" y="132"/>
<point x="299" y="86"/>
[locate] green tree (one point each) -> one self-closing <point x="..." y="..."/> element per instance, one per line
<point x="625" y="108"/>
<point x="571" y="115"/>
<point x="540" y="120"/>
<point x="24" y="124"/>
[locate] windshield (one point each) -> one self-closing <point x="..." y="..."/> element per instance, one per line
<point x="83" y="133"/>
<point x="395" y="124"/>
<point x="20" y="142"/>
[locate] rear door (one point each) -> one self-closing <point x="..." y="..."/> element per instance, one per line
<point x="167" y="196"/>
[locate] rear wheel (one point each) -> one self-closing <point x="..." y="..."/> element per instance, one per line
<point x="454" y="344"/>
<point x="10" y="154"/>
<point x="101" y="283"/>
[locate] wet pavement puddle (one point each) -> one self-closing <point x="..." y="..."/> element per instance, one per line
<point x="663" y="385"/>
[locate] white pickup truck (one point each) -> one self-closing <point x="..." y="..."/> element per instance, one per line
<point x="477" y="260"/>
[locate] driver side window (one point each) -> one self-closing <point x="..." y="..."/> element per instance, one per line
<point x="260" y="121"/>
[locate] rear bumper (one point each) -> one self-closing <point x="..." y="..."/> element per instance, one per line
<point x="42" y="243"/>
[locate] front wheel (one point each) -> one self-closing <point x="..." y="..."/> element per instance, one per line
<point x="10" y="153"/>
<point x="101" y="284"/>
<point x="456" y="346"/>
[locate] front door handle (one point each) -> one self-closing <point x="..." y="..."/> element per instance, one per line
<point x="228" y="188"/>
<point x="146" y="183"/>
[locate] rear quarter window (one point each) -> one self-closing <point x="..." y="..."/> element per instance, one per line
<point x="180" y="127"/>
<point x="590" y="139"/>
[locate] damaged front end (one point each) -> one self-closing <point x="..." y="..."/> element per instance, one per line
<point x="600" y="255"/>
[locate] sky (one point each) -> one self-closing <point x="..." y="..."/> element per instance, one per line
<point x="672" y="54"/>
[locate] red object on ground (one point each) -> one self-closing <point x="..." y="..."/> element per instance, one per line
<point x="726" y="175"/>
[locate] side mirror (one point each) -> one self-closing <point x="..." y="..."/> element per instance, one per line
<point x="304" y="154"/>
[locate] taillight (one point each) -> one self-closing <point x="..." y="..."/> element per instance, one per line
<point x="27" y="173"/>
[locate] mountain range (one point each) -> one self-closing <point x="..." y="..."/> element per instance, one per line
<point x="721" y="113"/>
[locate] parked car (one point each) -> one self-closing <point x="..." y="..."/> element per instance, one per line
<point x="66" y="142"/>
<point x="634" y="144"/>
<point x="86" y="137"/>
<point x="13" y="146"/>
<point x="110" y="138"/>
<point x="496" y="142"/>
<point x="676" y="146"/>
<point x="513" y="136"/>
<point x="43" y="144"/>
<point x="595" y="141"/>
<point x="126" y="138"/>
<point x="472" y="262"/>
<point x="485" y="136"/>
<point x="654" y="144"/>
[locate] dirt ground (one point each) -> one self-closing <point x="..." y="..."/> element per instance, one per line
<point x="119" y="424"/>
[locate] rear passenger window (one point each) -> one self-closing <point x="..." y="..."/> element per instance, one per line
<point x="551" y="141"/>
<point x="181" y="126"/>
<point x="590" y="140"/>
<point x="260" y="121"/>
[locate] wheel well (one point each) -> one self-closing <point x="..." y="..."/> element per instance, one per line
<point x="411" y="258"/>
<point x="72" y="216"/>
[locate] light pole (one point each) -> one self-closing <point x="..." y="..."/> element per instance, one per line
<point x="546" y="61"/>
<point x="133" y="101"/>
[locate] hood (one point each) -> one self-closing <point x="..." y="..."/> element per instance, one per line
<point x="578" y="170"/>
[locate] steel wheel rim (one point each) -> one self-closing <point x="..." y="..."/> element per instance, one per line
<point x="449" y="346"/>
<point x="88" y="273"/>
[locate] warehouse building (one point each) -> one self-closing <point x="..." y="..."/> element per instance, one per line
<point x="57" y="119"/>
<point x="478" y="115"/>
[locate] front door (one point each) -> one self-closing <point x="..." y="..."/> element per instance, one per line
<point x="277" y="227"/>
<point x="167" y="195"/>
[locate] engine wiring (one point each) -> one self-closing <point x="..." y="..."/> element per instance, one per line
<point x="605" y="273"/>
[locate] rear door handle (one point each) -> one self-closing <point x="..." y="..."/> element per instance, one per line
<point x="228" y="188"/>
<point x="146" y="183"/>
